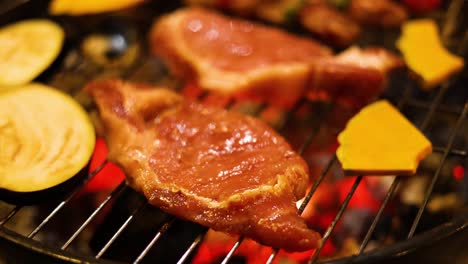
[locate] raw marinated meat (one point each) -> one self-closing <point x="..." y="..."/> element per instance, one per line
<point x="218" y="168"/>
<point x="244" y="59"/>
<point x="234" y="56"/>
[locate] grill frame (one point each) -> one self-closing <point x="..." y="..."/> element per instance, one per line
<point x="456" y="226"/>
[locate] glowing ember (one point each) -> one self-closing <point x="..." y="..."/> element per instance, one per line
<point x="217" y="245"/>
<point x="459" y="172"/>
<point x="108" y="177"/>
<point x="319" y="214"/>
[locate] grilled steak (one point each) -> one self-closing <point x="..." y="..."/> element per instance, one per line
<point x="218" y="168"/>
<point x="244" y="59"/>
<point x="235" y="56"/>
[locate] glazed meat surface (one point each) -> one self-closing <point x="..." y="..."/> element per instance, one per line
<point x="235" y="56"/>
<point x="244" y="59"/>
<point x="218" y="168"/>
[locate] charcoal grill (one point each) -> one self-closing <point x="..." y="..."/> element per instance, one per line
<point x="441" y="243"/>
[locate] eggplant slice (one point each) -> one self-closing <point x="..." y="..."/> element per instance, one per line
<point x="46" y="138"/>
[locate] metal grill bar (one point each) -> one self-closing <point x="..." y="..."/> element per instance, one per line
<point x="405" y="99"/>
<point x="116" y="192"/>
<point x="371" y="229"/>
<point x="390" y="193"/>
<point x="39" y="227"/>
<point x="161" y="231"/>
<point x="289" y="114"/>
<point x="233" y="249"/>
<point x="307" y="141"/>
<point x="336" y="219"/>
<point x="121" y="229"/>
<point x="311" y="136"/>
<point x="396" y="180"/>
<point x="272" y="256"/>
<point x="464" y="44"/>
<point x="10" y="214"/>
<point x="307" y="199"/>
<point x="393" y="186"/>
<point x="434" y="105"/>
<point x="192" y="247"/>
<point x="316" y="184"/>
<point x="455" y="152"/>
<point x="453" y="11"/>
<point x="8" y="6"/>
<point x="64" y="202"/>
<point x="441" y="108"/>
<point x="432" y="109"/>
<point x="439" y="169"/>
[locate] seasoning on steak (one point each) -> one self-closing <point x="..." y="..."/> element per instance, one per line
<point x="218" y="168"/>
<point x="244" y="59"/>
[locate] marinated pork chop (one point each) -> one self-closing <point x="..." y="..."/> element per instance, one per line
<point x="218" y="168"/>
<point x="234" y="56"/>
<point x="244" y="59"/>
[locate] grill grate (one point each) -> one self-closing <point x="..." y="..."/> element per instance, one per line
<point x="431" y="108"/>
<point x="153" y="241"/>
<point x="121" y="229"/>
<point x="447" y="150"/>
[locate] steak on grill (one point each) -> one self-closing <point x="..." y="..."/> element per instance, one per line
<point x="218" y="168"/>
<point x="244" y="59"/>
<point x="235" y="56"/>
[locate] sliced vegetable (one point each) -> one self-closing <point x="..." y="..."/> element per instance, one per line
<point x="83" y="7"/>
<point x="46" y="138"/>
<point x="425" y="54"/>
<point x="379" y="140"/>
<point x="27" y="49"/>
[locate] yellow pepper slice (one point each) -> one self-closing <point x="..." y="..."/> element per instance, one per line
<point x="83" y="7"/>
<point x="379" y="140"/>
<point x="425" y="54"/>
